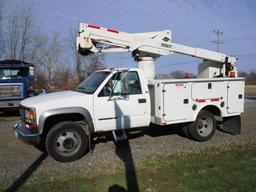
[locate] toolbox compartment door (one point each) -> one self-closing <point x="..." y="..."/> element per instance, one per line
<point x="176" y="102"/>
<point x="208" y="90"/>
<point x="235" y="103"/>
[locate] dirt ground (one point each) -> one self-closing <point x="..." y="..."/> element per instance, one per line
<point x="19" y="160"/>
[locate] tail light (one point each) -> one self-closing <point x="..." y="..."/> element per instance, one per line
<point x="232" y="74"/>
<point x="186" y="75"/>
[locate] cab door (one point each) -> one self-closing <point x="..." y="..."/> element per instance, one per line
<point x="121" y="103"/>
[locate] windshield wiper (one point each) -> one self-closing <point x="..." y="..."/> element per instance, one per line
<point x="81" y="89"/>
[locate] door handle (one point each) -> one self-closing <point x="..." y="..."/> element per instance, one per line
<point x="142" y="100"/>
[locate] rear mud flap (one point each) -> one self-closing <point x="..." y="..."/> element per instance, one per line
<point x="231" y="125"/>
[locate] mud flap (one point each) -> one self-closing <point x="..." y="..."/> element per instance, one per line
<point x="232" y="125"/>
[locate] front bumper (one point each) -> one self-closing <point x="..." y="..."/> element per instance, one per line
<point x="8" y="104"/>
<point x="25" y="135"/>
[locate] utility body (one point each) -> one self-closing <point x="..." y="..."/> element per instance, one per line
<point x="117" y="99"/>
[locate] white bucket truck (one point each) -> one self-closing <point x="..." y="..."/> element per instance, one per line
<point x="117" y="99"/>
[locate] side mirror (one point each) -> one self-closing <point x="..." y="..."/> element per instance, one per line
<point x="120" y="86"/>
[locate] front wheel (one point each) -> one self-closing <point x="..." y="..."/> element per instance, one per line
<point x="203" y="128"/>
<point x="67" y="141"/>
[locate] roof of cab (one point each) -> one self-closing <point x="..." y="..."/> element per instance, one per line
<point x="16" y="63"/>
<point x="119" y="69"/>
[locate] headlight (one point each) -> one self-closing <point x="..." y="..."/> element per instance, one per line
<point x="30" y="118"/>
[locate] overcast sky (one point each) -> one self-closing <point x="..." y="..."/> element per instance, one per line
<point x="192" y="23"/>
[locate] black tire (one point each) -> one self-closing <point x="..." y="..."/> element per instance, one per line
<point x="185" y="131"/>
<point x="67" y="141"/>
<point x="203" y="128"/>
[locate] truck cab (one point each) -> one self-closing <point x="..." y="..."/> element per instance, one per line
<point x="122" y="91"/>
<point x="16" y="83"/>
<point x="108" y="100"/>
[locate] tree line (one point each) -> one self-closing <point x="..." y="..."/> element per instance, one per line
<point x="250" y="77"/>
<point x="21" y="38"/>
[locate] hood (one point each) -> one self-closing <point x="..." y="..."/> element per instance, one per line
<point x="58" y="100"/>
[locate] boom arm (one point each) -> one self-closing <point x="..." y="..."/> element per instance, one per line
<point x="145" y="47"/>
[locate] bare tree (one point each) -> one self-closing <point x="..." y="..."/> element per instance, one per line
<point x="13" y="39"/>
<point x="39" y="42"/>
<point x="26" y="31"/>
<point x="76" y="57"/>
<point x="20" y="31"/>
<point x="2" y="40"/>
<point x="51" y="51"/>
<point x="94" y="62"/>
<point x="84" y="65"/>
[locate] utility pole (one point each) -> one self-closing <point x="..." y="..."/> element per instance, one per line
<point x="218" y="42"/>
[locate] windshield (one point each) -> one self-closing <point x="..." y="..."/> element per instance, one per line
<point x="90" y="84"/>
<point x="12" y="73"/>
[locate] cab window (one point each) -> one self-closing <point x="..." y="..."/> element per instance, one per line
<point x="122" y="83"/>
<point x="13" y="73"/>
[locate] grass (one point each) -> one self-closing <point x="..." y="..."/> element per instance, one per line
<point x="250" y="88"/>
<point x="213" y="170"/>
<point x="227" y="168"/>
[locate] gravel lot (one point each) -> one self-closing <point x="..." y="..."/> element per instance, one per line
<point x="18" y="159"/>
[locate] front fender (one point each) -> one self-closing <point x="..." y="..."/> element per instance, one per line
<point x="67" y="110"/>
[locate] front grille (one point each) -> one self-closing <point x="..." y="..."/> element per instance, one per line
<point x="10" y="91"/>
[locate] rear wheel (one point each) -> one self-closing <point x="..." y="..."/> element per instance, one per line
<point x="67" y="141"/>
<point x="185" y="131"/>
<point x="203" y="128"/>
